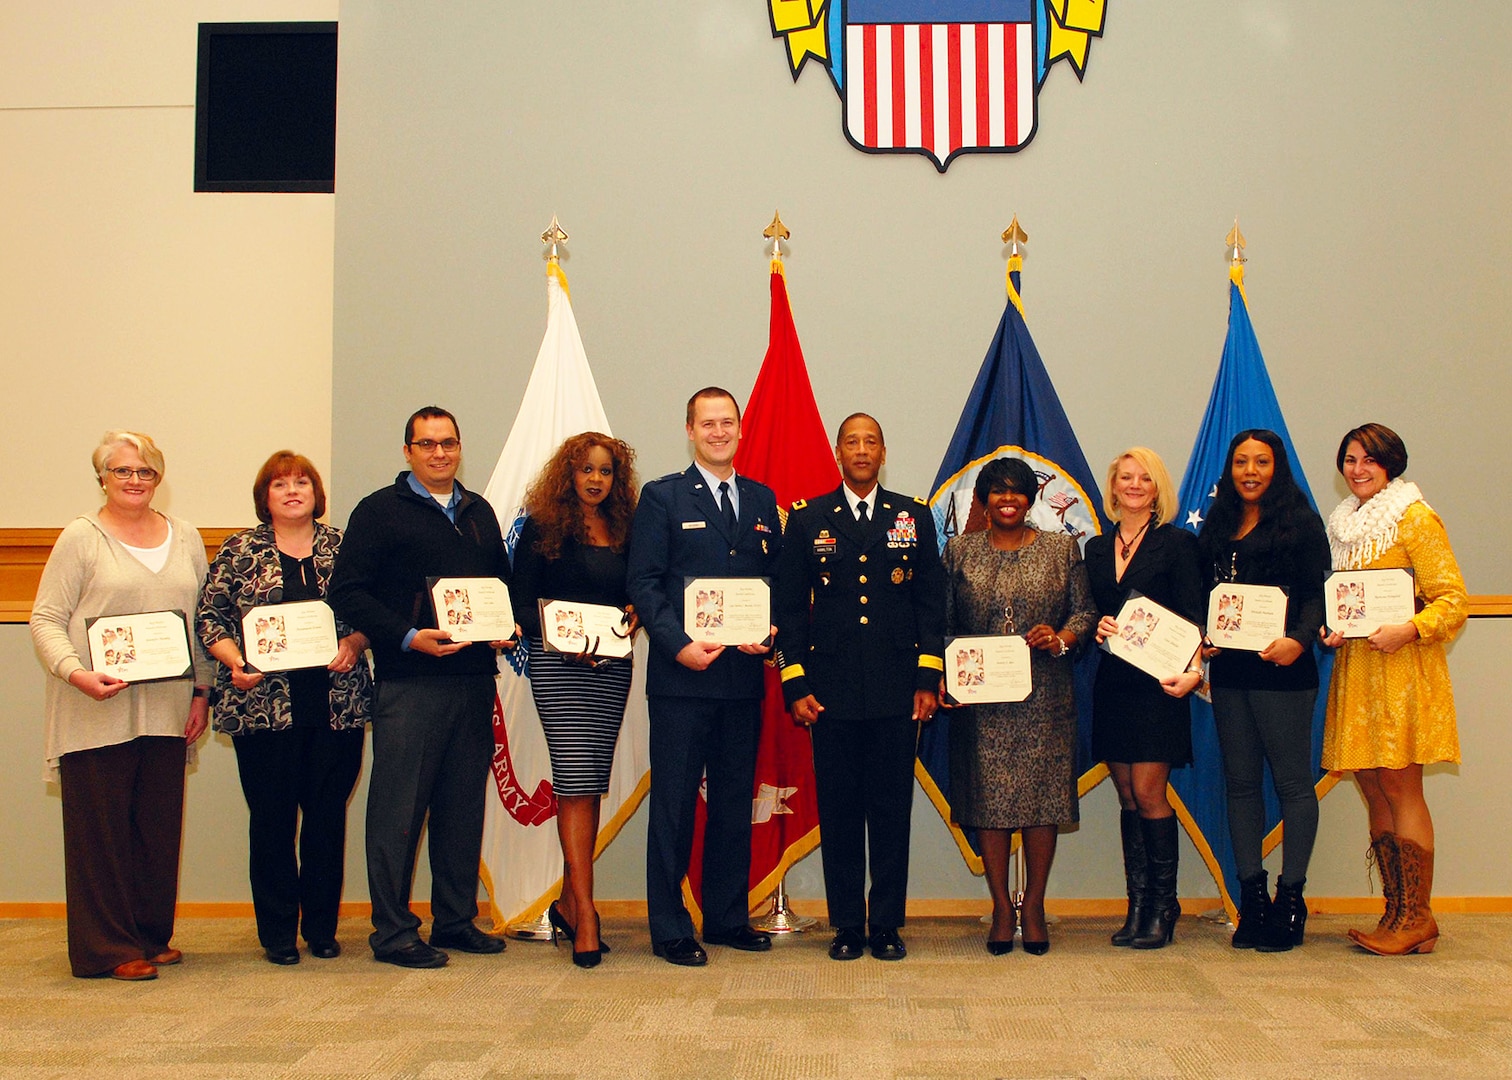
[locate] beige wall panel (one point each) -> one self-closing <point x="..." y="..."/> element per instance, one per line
<point x="115" y="53"/>
<point x="126" y="299"/>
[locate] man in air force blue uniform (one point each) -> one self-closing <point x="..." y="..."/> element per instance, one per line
<point x="704" y="699"/>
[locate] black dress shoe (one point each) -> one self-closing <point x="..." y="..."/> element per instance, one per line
<point x="468" y="939"/>
<point x="848" y="945"/>
<point x="283" y="957"/>
<point x="887" y="945"/>
<point x="417" y="954"/>
<point x="745" y="938"/>
<point x="325" y="950"/>
<point x="684" y="951"/>
<point x="1000" y="948"/>
<point x="1036" y="948"/>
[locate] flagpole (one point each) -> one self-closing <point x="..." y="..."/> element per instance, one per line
<point x="540" y="928"/>
<point x="779" y="917"/>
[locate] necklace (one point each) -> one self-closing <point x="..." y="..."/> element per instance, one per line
<point x="1010" y="626"/>
<point x="1128" y="545"/>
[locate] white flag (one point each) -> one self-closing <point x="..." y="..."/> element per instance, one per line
<point x="522" y="859"/>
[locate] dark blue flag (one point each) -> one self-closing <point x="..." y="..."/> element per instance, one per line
<point x="1012" y="411"/>
<point x="1242" y="398"/>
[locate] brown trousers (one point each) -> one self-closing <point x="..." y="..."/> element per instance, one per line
<point x="123" y="814"/>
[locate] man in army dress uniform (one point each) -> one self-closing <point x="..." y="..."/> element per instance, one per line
<point x="860" y="610"/>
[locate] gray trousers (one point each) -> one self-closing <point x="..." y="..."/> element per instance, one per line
<point x="1256" y="726"/>
<point x="432" y="747"/>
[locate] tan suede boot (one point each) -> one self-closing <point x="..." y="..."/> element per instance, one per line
<point x="1415" y="929"/>
<point x="1387" y="859"/>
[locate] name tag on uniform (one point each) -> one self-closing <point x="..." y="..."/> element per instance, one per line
<point x="695" y="525"/>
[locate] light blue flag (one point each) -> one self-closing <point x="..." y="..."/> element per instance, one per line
<point x="1242" y="398"/>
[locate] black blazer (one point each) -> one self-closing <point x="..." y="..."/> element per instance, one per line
<point x="678" y="533"/>
<point x="1166" y="568"/>
<point x="874" y="630"/>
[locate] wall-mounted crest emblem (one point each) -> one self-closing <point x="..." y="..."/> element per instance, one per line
<point x="938" y="77"/>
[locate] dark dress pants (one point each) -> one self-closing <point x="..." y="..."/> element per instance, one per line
<point x="864" y="775"/>
<point x="123" y="817"/>
<point x="297" y="781"/>
<point x="432" y="747"/>
<point x="688" y="736"/>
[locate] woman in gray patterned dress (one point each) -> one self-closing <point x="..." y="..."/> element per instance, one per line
<point x="1012" y="765"/>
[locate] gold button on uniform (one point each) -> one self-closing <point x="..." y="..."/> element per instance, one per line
<point x="863" y="558"/>
<point x="863" y="579"/>
<point x="863" y="620"/>
<point x="864" y="600"/>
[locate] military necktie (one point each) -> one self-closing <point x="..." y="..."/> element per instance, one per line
<point x="729" y="507"/>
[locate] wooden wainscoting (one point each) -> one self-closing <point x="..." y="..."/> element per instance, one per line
<point x="23" y="553"/>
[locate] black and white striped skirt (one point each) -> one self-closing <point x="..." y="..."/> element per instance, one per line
<point x="581" y="709"/>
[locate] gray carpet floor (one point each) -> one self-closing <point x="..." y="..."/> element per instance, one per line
<point x="1196" y="1009"/>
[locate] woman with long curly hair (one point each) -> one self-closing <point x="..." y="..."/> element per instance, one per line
<point x="1260" y="530"/>
<point x="572" y="547"/>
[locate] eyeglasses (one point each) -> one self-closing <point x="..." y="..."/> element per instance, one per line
<point x="125" y="473"/>
<point x="425" y="446"/>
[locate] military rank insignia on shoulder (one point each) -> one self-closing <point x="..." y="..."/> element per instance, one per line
<point x="920" y="501"/>
<point x="799" y="504"/>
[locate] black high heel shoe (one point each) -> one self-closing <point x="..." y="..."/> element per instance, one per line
<point x="999" y="948"/>
<point x="1034" y="948"/>
<point x="588" y="958"/>
<point x="560" y="925"/>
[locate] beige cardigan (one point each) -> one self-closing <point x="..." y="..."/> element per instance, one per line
<point x="88" y="574"/>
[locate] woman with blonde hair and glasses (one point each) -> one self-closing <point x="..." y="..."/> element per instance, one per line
<point x="118" y="749"/>
<point x="1142" y="727"/>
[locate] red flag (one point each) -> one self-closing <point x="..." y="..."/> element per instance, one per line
<point x="784" y="445"/>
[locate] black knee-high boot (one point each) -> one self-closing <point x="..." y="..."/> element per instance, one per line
<point x="1135" y="874"/>
<point x="1158" y="926"/>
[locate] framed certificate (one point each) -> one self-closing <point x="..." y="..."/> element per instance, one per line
<point x="1153" y="638"/>
<point x="140" y="647"/>
<point x="1357" y="603"/>
<point x="570" y="627"/>
<point x="472" y="608"/>
<point x="282" y="637"/>
<point x="728" y="611"/>
<point x="987" y="668"/>
<point x="1246" y="616"/>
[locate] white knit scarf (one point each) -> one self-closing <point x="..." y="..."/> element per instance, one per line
<point x="1358" y="535"/>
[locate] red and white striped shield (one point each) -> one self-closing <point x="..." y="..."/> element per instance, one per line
<point x="939" y="77"/>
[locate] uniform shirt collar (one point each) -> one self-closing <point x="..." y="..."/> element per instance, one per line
<point x="852" y="499"/>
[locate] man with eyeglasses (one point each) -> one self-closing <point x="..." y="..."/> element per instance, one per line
<point x="433" y="715"/>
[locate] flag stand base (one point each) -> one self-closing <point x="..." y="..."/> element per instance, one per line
<point x="779" y="918"/>
<point x="538" y="929"/>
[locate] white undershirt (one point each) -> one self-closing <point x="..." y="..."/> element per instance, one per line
<point x="153" y="558"/>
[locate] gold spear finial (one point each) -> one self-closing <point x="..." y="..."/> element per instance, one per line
<point x="1014" y="235"/>
<point x="776" y="232"/>
<point x="553" y="236"/>
<point x="1235" y="242"/>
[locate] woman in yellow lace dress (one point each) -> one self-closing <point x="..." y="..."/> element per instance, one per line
<point x="1390" y="705"/>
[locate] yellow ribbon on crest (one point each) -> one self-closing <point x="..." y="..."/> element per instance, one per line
<point x="804" y="25"/>
<point x="1073" y="25"/>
